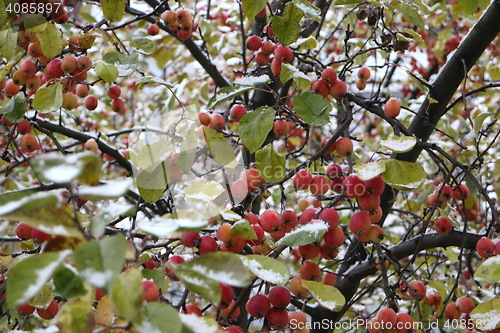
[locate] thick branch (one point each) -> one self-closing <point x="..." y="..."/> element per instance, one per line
<point x="104" y="147"/>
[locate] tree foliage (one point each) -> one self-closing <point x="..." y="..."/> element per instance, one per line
<point x="249" y="165"/>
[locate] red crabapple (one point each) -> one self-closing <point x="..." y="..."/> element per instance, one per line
<point x="360" y="223"/>
<point x="485" y="247"/>
<point x="392" y="108"/>
<point x="258" y="306"/>
<point x="443" y="226"/>
<point x="254" y="43"/>
<point x="279" y="297"/>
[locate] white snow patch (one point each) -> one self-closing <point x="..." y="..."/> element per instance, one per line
<point x="487" y="321"/>
<point x="42" y="275"/>
<point x="197" y="324"/>
<point x="250" y="81"/>
<point x="226" y="277"/>
<point x="146" y="327"/>
<point x="264" y="274"/>
<point x="314" y="227"/>
<point x="110" y="189"/>
<point x="12" y="206"/>
<point x="96" y="278"/>
<point x="62" y="173"/>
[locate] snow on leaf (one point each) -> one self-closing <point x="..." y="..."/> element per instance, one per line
<point x="224" y="267"/>
<point x="489" y="270"/>
<point x="28" y="276"/>
<point x="164" y="227"/>
<point x="305" y="234"/>
<point x="486" y="315"/>
<point x="399" y="144"/>
<point x="327" y="296"/>
<point x="100" y="261"/>
<point x="312" y="12"/>
<point x="252" y="80"/>
<point x="369" y="170"/>
<point x="267" y="269"/>
<point x="225" y="94"/>
<point x="199" y="324"/>
<point x="161" y="318"/>
<point x="110" y="190"/>
<point x="150" y="79"/>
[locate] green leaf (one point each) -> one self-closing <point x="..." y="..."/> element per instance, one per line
<point x="268" y="269"/>
<point x="8" y="44"/>
<point x="404" y="176"/>
<point x="270" y="164"/>
<point x="145" y="45"/>
<point x="327" y="296"/>
<point x="224" y="267"/>
<point x="51" y="41"/>
<point x="369" y="170"/>
<point x="409" y="12"/>
<point x="485" y="315"/>
<point x="127" y="295"/>
<point x="252" y="8"/>
<point x="4" y="18"/>
<point x="15" y="108"/>
<point x="244" y="229"/>
<point x="107" y="72"/>
<point x="67" y="283"/>
<point x="479" y="120"/>
<point x="91" y="173"/>
<point x="347" y="2"/>
<point x="113" y="10"/>
<point x="113" y="189"/>
<point x="35" y="22"/>
<point x="468" y="7"/>
<point x="255" y="126"/>
<point x="195" y="324"/>
<point x="399" y="144"/>
<point x="19" y="201"/>
<point x="312" y="12"/>
<point x="48" y="97"/>
<point x="220" y="150"/>
<point x="28" y="276"/>
<point x="226" y="93"/>
<point x="286" y="27"/>
<point x="206" y="191"/>
<point x="416" y="36"/>
<point x="289" y="72"/>
<point x="76" y="315"/>
<point x="308" y="43"/>
<point x="125" y="63"/>
<point x="100" y="262"/>
<point x="489" y="270"/>
<point x="152" y="184"/>
<point x="105" y="215"/>
<point x="451" y="254"/>
<point x="305" y="234"/>
<point x="150" y="79"/>
<point x="313" y="108"/>
<point x="160" y="317"/>
<point x="199" y="284"/>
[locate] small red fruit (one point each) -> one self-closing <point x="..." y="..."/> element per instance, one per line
<point x="443" y="226"/>
<point x="344" y="146"/>
<point x="329" y="75"/>
<point x="258" y="306"/>
<point x="153" y="30"/>
<point x="392" y="108"/>
<point x="278" y="318"/>
<point x="23" y="231"/>
<point x="151" y="292"/>
<point x="114" y="91"/>
<point x="50" y="312"/>
<point x="338" y="89"/>
<point x="254" y="43"/>
<point x="302" y="180"/>
<point x="237" y="112"/>
<point x="485" y="247"/>
<point x="25" y="309"/>
<point x="364" y="73"/>
<point x="360" y="223"/>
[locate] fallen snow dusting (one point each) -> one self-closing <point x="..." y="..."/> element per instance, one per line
<point x="42" y="275"/>
<point x="399" y="144"/>
<point x="12" y="206"/>
<point x="96" y="278"/>
<point x="492" y="261"/>
<point x="62" y="173"/>
<point x="227" y="277"/>
<point x="264" y="274"/>
<point x="197" y="324"/>
<point x="250" y="81"/>
<point x="487" y="321"/>
<point x="315" y="227"/>
<point x="327" y="304"/>
<point x="146" y="327"/>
